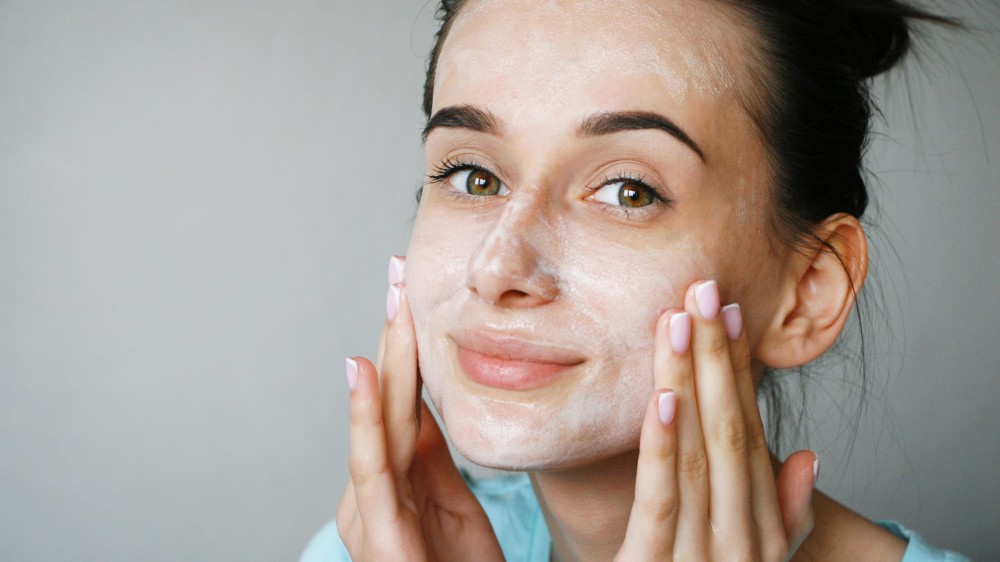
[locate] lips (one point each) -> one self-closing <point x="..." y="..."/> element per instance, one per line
<point x="510" y="362"/>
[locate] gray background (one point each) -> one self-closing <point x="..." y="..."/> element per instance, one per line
<point x="197" y="205"/>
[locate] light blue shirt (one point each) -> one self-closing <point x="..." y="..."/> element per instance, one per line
<point x="517" y="520"/>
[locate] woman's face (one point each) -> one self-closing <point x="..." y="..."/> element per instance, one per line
<point x="594" y="161"/>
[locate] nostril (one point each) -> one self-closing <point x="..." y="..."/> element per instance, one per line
<point x="507" y="271"/>
<point x="514" y="294"/>
<point x="518" y="298"/>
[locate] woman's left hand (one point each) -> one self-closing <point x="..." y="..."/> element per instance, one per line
<point x="705" y="487"/>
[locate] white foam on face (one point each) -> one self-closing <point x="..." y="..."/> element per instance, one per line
<point x="541" y="67"/>
<point x="562" y="47"/>
<point x="609" y="297"/>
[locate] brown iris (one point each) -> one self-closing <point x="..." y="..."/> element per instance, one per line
<point x="481" y="182"/>
<point x="634" y="195"/>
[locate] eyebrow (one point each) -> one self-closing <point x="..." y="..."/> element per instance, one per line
<point x="616" y="122"/>
<point x="463" y="117"/>
<point x="482" y="121"/>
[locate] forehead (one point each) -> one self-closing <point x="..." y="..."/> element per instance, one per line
<point x="557" y="55"/>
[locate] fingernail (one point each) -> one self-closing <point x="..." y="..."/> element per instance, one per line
<point x="815" y="470"/>
<point x="667" y="405"/>
<point x="396" y="266"/>
<point x="733" y="320"/>
<point x="680" y="332"/>
<point x="352" y="373"/>
<point x="706" y="295"/>
<point x="392" y="302"/>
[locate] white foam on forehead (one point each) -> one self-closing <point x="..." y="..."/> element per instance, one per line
<point x="685" y="47"/>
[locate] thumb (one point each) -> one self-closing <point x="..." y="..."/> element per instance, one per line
<point x="795" y="485"/>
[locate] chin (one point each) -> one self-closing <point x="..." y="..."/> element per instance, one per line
<point x="528" y="436"/>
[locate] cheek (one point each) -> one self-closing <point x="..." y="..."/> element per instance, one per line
<point x="436" y="263"/>
<point x="616" y="296"/>
<point x="436" y="270"/>
<point x="623" y="291"/>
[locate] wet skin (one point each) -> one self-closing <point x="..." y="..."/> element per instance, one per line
<point x="554" y="258"/>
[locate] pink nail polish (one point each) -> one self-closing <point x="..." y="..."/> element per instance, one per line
<point x="667" y="405"/>
<point x="706" y="295"/>
<point x="732" y="318"/>
<point x="396" y="266"/>
<point x="680" y="332"/>
<point x="392" y="302"/>
<point x="352" y="373"/>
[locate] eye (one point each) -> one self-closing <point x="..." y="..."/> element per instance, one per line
<point x="626" y="193"/>
<point x="476" y="181"/>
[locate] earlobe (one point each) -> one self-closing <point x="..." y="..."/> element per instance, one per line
<point x="819" y="290"/>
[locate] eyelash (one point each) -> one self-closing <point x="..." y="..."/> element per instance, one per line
<point x="442" y="171"/>
<point x="446" y="169"/>
<point x="625" y="212"/>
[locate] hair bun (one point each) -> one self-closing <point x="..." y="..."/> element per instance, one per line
<point x="881" y="33"/>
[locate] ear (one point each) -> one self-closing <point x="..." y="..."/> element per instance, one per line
<point x="817" y="294"/>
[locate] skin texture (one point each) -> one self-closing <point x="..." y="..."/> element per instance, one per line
<point x="595" y="281"/>
<point x="550" y="260"/>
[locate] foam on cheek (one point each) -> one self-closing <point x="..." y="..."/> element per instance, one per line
<point x="610" y="297"/>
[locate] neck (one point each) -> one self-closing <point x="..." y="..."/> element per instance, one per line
<point x="587" y="508"/>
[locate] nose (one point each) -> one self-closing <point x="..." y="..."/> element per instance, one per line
<point x="508" y="269"/>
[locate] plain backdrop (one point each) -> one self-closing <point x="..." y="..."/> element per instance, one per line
<point x="197" y="205"/>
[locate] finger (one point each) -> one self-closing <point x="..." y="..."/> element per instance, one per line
<point x="396" y="266"/>
<point x="672" y="368"/>
<point x="348" y="519"/>
<point x="381" y="349"/>
<point x="371" y="473"/>
<point x="764" y="504"/>
<point x="399" y="384"/>
<point x="722" y="420"/>
<point x="652" y="524"/>
<point x="795" y="486"/>
<point x="435" y="475"/>
<point x="435" y="470"/>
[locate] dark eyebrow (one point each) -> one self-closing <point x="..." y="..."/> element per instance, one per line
<point x="463" y="117"/>
<point x="615" y="122"/>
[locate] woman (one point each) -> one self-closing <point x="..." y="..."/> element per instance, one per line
<point x="602" y="178"/>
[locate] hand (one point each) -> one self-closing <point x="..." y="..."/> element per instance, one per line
<point x="405" y="498"/>
<point x="705" y="487"/>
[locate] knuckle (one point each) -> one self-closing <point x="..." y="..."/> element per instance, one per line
<point x="775" y="550"/>
<point x="658" y="510"/>
<point x="741" y="359"/>
<point x="656" y="458"/>
<point x="715" y="343"/>
<point x="732" y="434"/>
<point x="741" y="556"/>
<point x="365" y="469"/>
<point x="756" y="436"/>
<point x="693" y="465"/>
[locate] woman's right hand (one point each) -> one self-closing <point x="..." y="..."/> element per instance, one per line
<point x="405" y="498"/>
